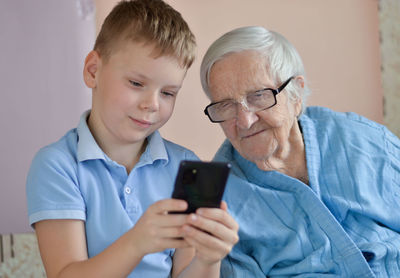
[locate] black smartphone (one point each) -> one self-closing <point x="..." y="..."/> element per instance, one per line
<point x="201" y="183"/>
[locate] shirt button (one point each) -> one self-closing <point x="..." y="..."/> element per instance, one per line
<point x="127" y="190"/>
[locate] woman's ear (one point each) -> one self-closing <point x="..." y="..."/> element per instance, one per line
<point x="92" y="63"/>
<point x="299" y="80"/>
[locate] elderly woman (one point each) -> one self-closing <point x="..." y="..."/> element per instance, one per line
<point x="316" y="192"/>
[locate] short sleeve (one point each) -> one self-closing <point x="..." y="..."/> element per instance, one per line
<point x="52" y="187"/>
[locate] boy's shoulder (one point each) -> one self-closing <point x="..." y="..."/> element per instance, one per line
<point x="63" y="149"/>
<point x="176" y="149"/>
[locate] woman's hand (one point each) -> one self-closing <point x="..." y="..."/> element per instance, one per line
<point x="212" y="232"/>
<point x="157" y="230"/>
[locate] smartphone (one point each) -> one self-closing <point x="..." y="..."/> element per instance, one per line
<point x="201" y="183"/>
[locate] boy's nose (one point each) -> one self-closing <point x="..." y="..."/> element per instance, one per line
<point x="150" y="101"/>
<point x="245" y="119"/>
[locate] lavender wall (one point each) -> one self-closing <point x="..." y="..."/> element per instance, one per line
<point x="43" y="44"/>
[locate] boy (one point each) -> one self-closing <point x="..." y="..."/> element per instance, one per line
<point x="97" y="197"/>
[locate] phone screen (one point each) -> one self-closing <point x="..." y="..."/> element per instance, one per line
<point x="200" y="183"/>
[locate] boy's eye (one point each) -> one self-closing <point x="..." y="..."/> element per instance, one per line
<point x="168" y="94"/>
<point x="136" y="84"/>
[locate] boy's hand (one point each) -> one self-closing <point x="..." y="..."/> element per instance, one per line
<point x="156" y="230"/>
<point x="212" y="232"/>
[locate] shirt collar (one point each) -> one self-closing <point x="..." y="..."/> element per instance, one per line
<point x="155" y="150"/>
<point x="88" y="148"/>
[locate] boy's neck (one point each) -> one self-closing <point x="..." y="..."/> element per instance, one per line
<point x="126" y="155"/>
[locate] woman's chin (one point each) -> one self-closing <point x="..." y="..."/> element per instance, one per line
<point x="256" y="153"/>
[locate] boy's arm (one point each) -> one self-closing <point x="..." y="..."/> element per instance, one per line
<point x="186" y="265"/>
<point x="62" y="243"/>
<point x="211" y="234"/>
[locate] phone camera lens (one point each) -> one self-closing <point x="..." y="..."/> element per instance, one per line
<point x="189" y="176"/>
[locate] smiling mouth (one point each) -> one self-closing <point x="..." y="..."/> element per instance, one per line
<point x="141" y="123"/>
<point x="252" y="134"/>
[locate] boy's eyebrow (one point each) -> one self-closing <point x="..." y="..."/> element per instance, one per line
<point x="144" y="77"/>
<point x="175" y="87"/>
<point x="137" y="74"/>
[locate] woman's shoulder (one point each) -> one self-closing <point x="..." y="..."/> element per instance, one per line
<point x="224" y="152"/>
<point x="346" y="128"/>
<point x="324" y="118"/>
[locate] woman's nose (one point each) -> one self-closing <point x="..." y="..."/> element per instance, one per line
<point x="245" y="118"/>
<point x="150" y="101"/>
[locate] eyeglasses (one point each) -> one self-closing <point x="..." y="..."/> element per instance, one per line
<point x="222" y="111"/>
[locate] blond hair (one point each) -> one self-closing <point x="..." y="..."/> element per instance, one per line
<point x="152" y="22"/>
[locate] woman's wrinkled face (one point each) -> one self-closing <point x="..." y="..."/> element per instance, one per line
<point x="255" y="135"/>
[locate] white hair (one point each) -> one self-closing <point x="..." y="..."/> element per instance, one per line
<point x="282" y="59"/>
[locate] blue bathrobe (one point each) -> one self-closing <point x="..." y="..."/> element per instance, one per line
<point x="345" y="223"/>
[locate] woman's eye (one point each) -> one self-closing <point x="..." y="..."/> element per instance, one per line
<point x="225" y="105"/>
<point x="136" y="84"/>
<point x="258" y="94"/>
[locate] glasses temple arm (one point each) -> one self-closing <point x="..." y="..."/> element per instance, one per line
<point x="284" y="84"/>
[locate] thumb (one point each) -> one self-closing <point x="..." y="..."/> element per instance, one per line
<point x="224" y="206"/>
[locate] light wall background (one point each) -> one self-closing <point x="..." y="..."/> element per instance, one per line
<point x="337" y="39"/>
<point x="389" y="17"/>
<point x="44" y="43"/>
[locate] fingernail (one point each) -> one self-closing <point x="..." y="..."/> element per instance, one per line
<point x="193" y="217"/>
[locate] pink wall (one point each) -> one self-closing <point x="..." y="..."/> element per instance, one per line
<point x="337" y="39"/>
<point x="44" y="43"/>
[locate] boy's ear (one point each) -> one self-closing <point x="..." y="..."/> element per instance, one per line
<point x="90" y="68"/>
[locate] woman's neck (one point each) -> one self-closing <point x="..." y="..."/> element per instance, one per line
<point x="289" y="159"/>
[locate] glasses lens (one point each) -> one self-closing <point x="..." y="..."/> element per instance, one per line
<point x="260" y="100"/>
<point x="222" y="111"/>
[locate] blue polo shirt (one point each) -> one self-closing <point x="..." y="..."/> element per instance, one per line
<point x="74" y="179"/>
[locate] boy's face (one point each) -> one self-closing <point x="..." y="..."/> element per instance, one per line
<point x="133" y="93"/>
